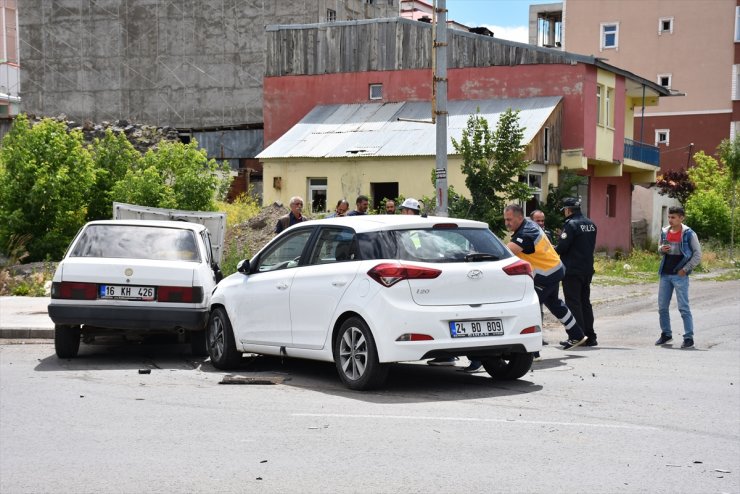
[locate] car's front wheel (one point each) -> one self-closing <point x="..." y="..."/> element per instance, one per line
<point x="508" y="367"/>
<point x="356" y="356"/>
<point x="66" y="341"/>
<point x="220" y="341"/>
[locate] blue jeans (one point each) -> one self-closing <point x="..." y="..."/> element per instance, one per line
<point x="668" y="283"/>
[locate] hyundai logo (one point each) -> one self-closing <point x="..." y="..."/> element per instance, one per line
<point x="475" y="274"/>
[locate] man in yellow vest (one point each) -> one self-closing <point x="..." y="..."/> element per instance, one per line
<point x="529" y="242"/>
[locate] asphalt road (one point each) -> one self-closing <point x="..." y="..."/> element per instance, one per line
<point x="624" y="417"/>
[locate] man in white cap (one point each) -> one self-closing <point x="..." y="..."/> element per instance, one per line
<point x="410" y="206"/>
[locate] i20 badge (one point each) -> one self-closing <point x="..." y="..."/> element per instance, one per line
<point x="475" y="274"/>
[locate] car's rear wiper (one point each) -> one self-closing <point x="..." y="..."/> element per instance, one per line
<point x="481" y="257"/>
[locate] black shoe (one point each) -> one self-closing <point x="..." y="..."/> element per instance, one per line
<point x="687" y="343"/>
<point x="572" y="343"/>
<point x="544" y="343"/>
<point x="664" y="338"/>
<point x="591" y="342"/>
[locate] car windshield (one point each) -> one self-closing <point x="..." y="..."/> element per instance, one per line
<point x="433" y="245"/>
<point x="137" y="242"/>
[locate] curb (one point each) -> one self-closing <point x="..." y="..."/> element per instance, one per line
<point x="26" y="333"/>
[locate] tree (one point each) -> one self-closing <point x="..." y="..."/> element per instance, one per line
<point x="492" y="163"/>
<point x="568" y="187"/>
<point x="676" y="184"/>
<point x="113" y="156"/>
<point x="174" y="175"/>
<point x="45" y="178"/>
<point x="729" y="152"/>
<point x="708" y="209"/>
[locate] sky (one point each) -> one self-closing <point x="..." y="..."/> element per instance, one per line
<point x="508" y="19"/>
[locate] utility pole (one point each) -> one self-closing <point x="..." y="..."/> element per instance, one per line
<point x="439" y="102"/>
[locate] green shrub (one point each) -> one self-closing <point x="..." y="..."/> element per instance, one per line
<point x="113" y="156"/>
<point x="174" y="175"/>
<point x="46" y="174"/>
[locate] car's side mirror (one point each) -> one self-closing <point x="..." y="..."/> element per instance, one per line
<point x="243" y="266"/>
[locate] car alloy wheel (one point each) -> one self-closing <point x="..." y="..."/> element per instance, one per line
<point x="356" y="356"/>
<point x="220" y="340"/>
<point x="353" y="353"/>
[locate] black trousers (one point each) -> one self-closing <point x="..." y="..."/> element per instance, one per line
<point x="577" y="293"/>
<point x="547" y="292"/>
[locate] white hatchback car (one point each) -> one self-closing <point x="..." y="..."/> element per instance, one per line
<point x="133" y="277"/>
<point x="365" y="291"/>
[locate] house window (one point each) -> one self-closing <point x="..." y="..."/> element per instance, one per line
<point x="665" y="25"/>
<point x="331" y="15"/>
<point x="609" y="107"/>
<point x="737" y="24"/>
<point x="736" y="82"/>
<point x="609" y="35"/>
<point x="317" y="194"/>
<point x="598" y="104"/>
<point x="534" y="180"/>
<point x="665" y="80"/>
<point x="546" y="145"/>
<point x="376" y="91"/>
<point x="662" y="136"/>
<point x="611" y="201"/>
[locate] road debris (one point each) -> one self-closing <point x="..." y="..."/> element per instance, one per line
<point x="231" y="379"/>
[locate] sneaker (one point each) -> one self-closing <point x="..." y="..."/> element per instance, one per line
<point x="572" y="343"/>
<point x="687" y="343"/>
<point x="591" y="342"/>
<point x="537" y="357"/>
<point x="443" y="361"/>
<point x="544" y="343"/>
<point x="664" y="338"/>
<point x="474" y="367"/>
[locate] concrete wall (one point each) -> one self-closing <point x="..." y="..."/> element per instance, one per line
<point x="185" y="63"/>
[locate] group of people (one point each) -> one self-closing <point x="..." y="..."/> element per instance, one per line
<point x="569" y="260"/>
<point x="409" y="206"/>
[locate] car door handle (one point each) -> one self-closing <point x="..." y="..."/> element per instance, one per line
<point x="282" y="286"/>
<point x="338" y="283"/>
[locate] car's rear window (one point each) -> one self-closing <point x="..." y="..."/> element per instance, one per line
<point x="432" y="245"/>
<point x="137" y="242"/>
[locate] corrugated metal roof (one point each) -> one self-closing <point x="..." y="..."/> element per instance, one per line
<point x="384" y="129"/>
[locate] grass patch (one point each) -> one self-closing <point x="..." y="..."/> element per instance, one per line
<point x="641" y="266"/>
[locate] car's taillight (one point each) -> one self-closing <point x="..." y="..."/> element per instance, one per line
<point x="519" y="267"/>
<point x="388" y="274"/>
<point x="414" y="337"/>
<point x="184" y="294"/>
<point x="530" y="330"/>
<point x="74" y="290"/>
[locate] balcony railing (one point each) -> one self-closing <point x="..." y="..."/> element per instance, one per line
<point x="639" y="151"/>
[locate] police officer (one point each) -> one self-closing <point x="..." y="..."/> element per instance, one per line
<point x="576" y="249"/>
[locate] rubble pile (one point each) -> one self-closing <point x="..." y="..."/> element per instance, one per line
<point x="251" y="235"/>
<point x="141" y="136"/>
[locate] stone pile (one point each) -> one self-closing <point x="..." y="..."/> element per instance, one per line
<point x="141" y="136"/>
